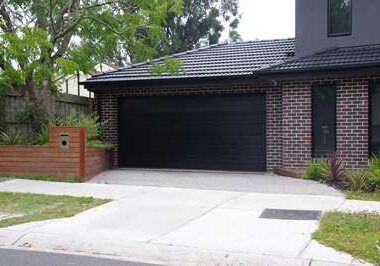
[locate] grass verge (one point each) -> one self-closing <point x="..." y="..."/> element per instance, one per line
<point x="49" y="178"/>
<point x="35" y="207"/>
<point x="355" y="233"/>
<point x="364" y="196"/>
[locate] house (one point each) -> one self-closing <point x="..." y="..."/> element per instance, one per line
<point x="70" y="84"/>
<point x="255" y="106"/>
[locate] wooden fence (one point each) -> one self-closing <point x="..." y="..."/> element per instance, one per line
<point x="12" y="104"/>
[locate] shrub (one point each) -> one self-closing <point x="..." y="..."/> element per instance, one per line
<point x="373" y="184"/>
<point x="358" y="180"/>
<point x="374" y="174"/>
<point x="43" y="135"/>
<point x="91" y="122"/>
<point x="12" y="137"/>
<point x="33" y="116"/>
<point x="374" y="166"/>
<point x="99" y="144"/>
<point x="335" y="170"/>
<point x="316" y="169"/>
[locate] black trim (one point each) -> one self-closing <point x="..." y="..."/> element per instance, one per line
<point x="320" y="72"/>
<point x="333" y="87"/>
<point x="372" y="87"/>
<point x="165" y="83"/>
<point x="329" y="22"/>
<point x="370" y="92"/>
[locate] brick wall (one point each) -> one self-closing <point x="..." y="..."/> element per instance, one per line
<point x="296" y="124"/>
<point x="289" y="116"/>
<point x="106" y="104"/>
<point x="352" y="124"/>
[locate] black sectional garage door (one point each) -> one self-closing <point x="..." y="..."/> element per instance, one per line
<point x="193" y="132"/>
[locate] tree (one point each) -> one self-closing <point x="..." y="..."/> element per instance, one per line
<point x="200" y="23"/>
<point x="44" y="40"/>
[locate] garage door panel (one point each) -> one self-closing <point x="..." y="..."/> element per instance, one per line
<point x="193" y="132"/>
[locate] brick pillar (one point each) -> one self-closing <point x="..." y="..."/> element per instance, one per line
<point x="296" y="125"/>
<point x="108" y="113"/>
<point x="274" y="128"/>
<point x="353" y="122"/>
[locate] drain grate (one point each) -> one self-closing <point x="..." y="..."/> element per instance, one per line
<point x="281" y="214"/>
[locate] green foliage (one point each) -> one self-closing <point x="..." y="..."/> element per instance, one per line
<point x="43" y="135"/>
<point x="26" y="47"/>
<point x="49" y="178"/>
<point x="43" y="41"/>
<point x="374" y="166"/>
<point x="12" y="137"/>
<point x="373" y="184"/>
<point x="91" y="122"/>
<point x="331" y="169"/>
<point x="170" y="66"/>
<point x="336" y="171"/>
<point x="35" y="207"/>
<point x="235" y="36"/>
<point x="375" y="196"/>
<point x="316" y="169"/>
<point x="374" y="174"/>
<point x="35" y="117"/>
<point x="200" y="23"/>
<point x="358" y="180"/>
<point x="355" y="233"/>
<point x="99" y="144"/>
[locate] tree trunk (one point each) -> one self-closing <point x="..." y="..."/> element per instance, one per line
<point x="39" y="97"/>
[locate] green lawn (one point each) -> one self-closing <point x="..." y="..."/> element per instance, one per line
<point x="49" y="178"/>
<point x="356" y="234"/>
<point x="364" y="196"/>
<point x="35" y="207"/>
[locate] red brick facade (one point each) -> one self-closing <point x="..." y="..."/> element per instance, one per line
<point x="289" y="116"/>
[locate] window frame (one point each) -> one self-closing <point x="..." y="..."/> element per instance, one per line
<point x="372" y="87"/>
<point x="329" y="34"/>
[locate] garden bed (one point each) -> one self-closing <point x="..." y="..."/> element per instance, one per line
<point x="56" y="160"/>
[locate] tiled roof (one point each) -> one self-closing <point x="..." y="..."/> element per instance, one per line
<point x="228" y="59"/>
<point x="331" y="59"/>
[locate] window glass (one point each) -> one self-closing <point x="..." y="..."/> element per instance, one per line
<point x="324" y="121"/>
<point x="340" y="17"/>
<point x="375" y="115"/>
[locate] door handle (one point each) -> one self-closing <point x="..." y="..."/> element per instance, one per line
<point x="325" y="132"/>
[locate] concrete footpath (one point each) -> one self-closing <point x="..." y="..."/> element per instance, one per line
<point x="173" y="226"/>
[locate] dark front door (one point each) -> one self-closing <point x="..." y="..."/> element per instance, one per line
<point x="193" y="132"/>
<point x="324" y="121"/>
<point x="375" y="120"/>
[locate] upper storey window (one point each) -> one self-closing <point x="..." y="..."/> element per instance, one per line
<point x="340" y="17"/>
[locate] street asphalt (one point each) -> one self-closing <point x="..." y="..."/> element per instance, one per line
<point x="11" y="257"/>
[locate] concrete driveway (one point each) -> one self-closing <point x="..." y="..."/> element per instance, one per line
<point x="172" y="226"/>
<point x="222" y="181"/>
